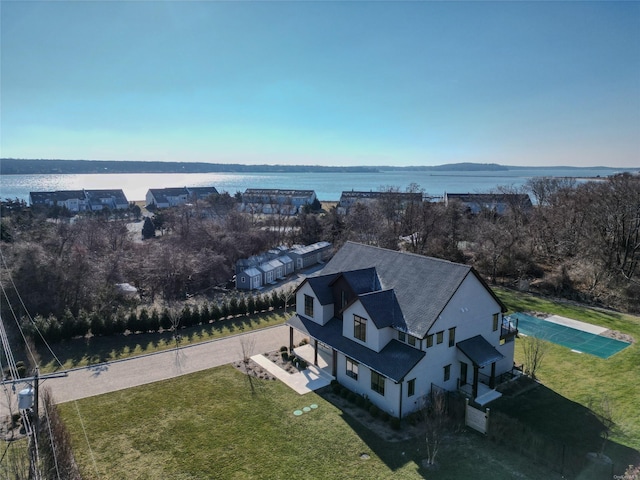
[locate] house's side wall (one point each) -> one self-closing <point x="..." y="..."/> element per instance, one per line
<point x="149" y="198"/>
<point x="389" y="402"/>
<point x="471" y="312"/>
<point x="321" y="313"/>
<point x="373" y="337"/>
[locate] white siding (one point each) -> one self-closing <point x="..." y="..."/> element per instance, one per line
<point x="372" y="334"/>
<point x="321" y="313"/>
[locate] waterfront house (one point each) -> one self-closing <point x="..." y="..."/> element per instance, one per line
<point x="400" y="199"/>
<point x="81" y="200"/>
<point x="276" y="201"/>
<point x="393" y="326"/>
<point x="494" y="202"/>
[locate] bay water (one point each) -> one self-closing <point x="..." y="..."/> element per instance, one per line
<point x="327" y="185"/>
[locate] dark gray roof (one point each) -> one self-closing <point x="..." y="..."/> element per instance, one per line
<point x="201" y="192"/>
<point x="320" y="286"/>
<point x="59" y="195"/>
<point x="362" y="281"/>
<point x="161" y="194"/>
<point x="394" y="361"/>
<point x="117" y="195"/>
<point x="479" y="351"/>
<point x="423" y="285"/>
<point x="383" y="309"/>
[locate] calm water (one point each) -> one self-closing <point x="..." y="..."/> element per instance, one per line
<point x="328" y="186"/>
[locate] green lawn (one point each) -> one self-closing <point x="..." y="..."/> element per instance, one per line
<point x="571" y="380"/>
<point x="81" y="352"/>
<point x="209" y="425"/>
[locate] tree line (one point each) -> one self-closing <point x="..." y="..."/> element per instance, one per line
<point x="580" y="241"/>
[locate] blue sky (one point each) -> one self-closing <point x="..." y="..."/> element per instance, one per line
<point x="326" y="82"/>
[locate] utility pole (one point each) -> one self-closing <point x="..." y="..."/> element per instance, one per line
<point x="34" y="472"/>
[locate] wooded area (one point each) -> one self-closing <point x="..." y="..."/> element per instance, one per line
<point x="580" y="241"/>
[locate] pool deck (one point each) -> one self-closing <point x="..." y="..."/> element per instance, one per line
<point x="568" y="322"/>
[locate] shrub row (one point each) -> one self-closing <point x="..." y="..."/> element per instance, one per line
<point x="142" y="320"/>
<point x="365" y="404"/>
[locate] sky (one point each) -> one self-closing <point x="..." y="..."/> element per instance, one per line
<point x="322" y="82"/>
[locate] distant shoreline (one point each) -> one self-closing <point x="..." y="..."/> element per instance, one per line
<point x="13" y="166"/>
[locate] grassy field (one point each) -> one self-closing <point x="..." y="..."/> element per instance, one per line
<point x="210" y="425"/>
<point x="570" y="381"/>
<point x="81" y="352"/>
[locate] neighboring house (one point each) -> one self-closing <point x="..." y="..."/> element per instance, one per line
<point x="200" y="193"/>
<point x="81" y="200"/>
<point x="278" y="263"/>
<point x="72" y="200"/>
<point x="166" y="197"/>
<point x="350" y="198"/>
<point x="306" y="256"/>
<point x="111" y="199"/>
<point x="494" y="202"/>
<point x="394" y="326"/>
<point x="174" y="196"/>
<point x="276" y="201"/>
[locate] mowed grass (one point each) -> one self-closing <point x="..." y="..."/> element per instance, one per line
<point x="209" y="425"/>
<point x="81" y="352"/>
<point x="572" y="381"/>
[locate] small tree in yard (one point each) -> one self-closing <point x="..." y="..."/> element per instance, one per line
<point x="436" y="420"/>
<point x="534" y="350"/>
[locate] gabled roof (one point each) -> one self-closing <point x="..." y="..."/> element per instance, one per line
<point x="422" y="285"/>
<point x="361" y="281"/>
<point x="252" y="272"/>
<point x="394" y="361"/>
<point x="117" y="195"/>
<point x="57" y="196"/>
<point x="320" y="286"/>
<point x="161" y="194"/>
<point x="383" y="308"/>
<point x="201" y="192"/>
<point x="479" y="351"/>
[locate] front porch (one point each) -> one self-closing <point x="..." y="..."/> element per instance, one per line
<point x="485" y="394"/>
<point x="319" y="357"/>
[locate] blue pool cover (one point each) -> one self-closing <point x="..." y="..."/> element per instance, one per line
<point x="572" y="338"/>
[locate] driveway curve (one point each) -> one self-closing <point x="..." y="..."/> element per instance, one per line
<point x="132" y="372"/>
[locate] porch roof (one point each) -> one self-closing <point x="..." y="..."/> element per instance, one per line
<point x="479" y="351"/>
<point x="394" y="361"/>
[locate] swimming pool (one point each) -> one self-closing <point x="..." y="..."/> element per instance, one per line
<point x="577" y="340"/>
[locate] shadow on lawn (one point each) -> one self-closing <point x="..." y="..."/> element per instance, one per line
<point x="93" y="350"/>
<point x="552" y="429"/>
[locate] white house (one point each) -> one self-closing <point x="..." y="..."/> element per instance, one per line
<point x="392" y="326"/>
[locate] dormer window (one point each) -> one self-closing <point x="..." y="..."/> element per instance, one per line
<point x="402" y="336"/>
<point x="360" y="328"/>
<point x="308" y="306"/>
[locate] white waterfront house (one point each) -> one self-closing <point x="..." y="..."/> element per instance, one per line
<point x="393" y="326"/>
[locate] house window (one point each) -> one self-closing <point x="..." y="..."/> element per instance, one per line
<point x="411" y="387"/>
<point x="452" y="336"/>
<point x="242" y="280"/>
<point x="308" y="306"/>
<point x="352" y="368"/>
<point x="440" y="337"/>
<point x="430" y="340"/>
<point x="360" y="328"/>
<point x="447" y="372"/>
<point x="402" y="336"/>
<point x="412" y="340"/>
<point x="377" y="382"/>
<point x="495" y="322"/>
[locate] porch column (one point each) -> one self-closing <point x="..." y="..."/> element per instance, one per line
<point x="290" y="339"/>
<point x="474" y="390"/>
<point x="315" y="351"/>
<point x="492" y="379"/>
<point x="334" y="367"/>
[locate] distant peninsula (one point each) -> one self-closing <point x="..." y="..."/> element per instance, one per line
<point x="16" y="166"/>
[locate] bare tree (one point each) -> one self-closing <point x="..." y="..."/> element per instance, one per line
<point x="534" y="351"/>
<point x="603" y="409"/>
<point x="436" y="420"/>
<point x="247" y="346"/>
